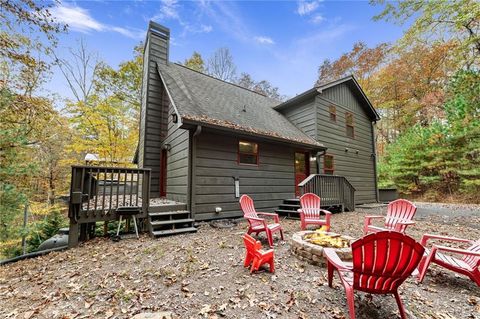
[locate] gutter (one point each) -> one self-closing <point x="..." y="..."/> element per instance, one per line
<point x="374" y="147"/>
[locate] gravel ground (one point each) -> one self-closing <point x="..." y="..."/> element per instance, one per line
<point x="201" y="276"/>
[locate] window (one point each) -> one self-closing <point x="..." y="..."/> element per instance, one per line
<point x="349" y="124"/>
<point x="333" y="113"/>
<point x="328" y="167"/>
<point x="247" y="153"/>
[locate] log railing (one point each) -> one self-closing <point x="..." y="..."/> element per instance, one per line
<point x="333" y="190"/>
<point x="96" y="193"/>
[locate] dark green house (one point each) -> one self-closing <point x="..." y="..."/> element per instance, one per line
<point x="207" y="141"/>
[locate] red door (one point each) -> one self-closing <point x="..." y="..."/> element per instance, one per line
<point x="302" y="169"/>
<point x="163" y="174"/>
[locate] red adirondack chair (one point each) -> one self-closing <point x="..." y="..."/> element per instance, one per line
<point x="468" y="265"/>
<point x="257" y="224"/>
<point x="382" y="261"/>
<point x="400" y="213"/>
<point x="256" y="256"/>
<point x="310" y="212"/>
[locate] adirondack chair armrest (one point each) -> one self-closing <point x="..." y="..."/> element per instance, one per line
<point x="399" y="223"/>
<point x="426" y="237"/>
<point x="374" y="216"/>
<point x="255" y="218"/>
<point x="326" y="212"/>
<point x="457" y="250"/>
<point x="333" y="258"/>
<point x="275" y="216"/>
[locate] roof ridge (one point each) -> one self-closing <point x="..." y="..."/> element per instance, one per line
<point x="210" y="76"/>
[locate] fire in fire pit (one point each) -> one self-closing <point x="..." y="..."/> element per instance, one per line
<point x="324" y="239"/>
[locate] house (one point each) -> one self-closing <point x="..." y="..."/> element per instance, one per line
<point x="208" y="141"/>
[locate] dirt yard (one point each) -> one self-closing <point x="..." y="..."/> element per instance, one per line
<point x="201" y="276"/>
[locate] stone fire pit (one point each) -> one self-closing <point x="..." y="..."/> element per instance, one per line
<point x="313" y="253"/>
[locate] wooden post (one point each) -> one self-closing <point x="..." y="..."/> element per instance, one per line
<point x="24" y="242"/>
<point x="105" y="228"/>
<point x="73" y="235"/>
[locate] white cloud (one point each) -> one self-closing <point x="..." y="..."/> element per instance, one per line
<point x="264" y="40"/>
<point x="307" y="7"/>
<point x="79" y="19"/>
<point x="168" y="10"/>
<point x="206" y="28"/>
<point x="318" y="18"/>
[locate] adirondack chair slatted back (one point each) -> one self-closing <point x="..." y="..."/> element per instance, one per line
<point x="399" y="209"/>
<point x="246" y="203"/>
<point x="382" y="261"/>
<point x="473" y="261"/>
<point x="310" y="204"/>
<point x="251" y="244"/>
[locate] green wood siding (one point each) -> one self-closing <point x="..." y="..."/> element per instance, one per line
<point x="302" y="116"/>
<point x="358" y="168"/>
<point x="177" y="160"/>
<point x="216" y="166"/>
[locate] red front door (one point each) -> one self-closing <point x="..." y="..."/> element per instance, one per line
<point x="163" y="174"/>
<point x="302" y="169"/>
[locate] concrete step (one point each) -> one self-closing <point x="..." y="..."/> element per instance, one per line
<point x="167" y="232"/>
<point x="173" y="221"/>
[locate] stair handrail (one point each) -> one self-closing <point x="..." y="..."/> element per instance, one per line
<point x="311" y="184"/>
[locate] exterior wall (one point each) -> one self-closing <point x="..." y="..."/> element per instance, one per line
<point x="302" y="115"/>
<point x="359" y="168"/>
<point x="154" y="107"/>
<point x="215" y="166"/>
<point x="177" y="160"/>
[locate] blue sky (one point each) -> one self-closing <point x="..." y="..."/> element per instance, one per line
<point x="283" y="42"/>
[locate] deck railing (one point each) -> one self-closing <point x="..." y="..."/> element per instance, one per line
<point x="96" y="193"/>
<point x="333" y="190"/>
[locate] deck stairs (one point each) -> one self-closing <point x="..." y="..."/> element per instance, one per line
<point x="170" y="219"/>
<point x="289" y="208"/>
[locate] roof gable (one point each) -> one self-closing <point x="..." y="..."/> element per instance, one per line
<point x="352" y="84"/>
<point x="204" y="99"/>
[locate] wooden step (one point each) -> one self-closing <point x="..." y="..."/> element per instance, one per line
<point x="287" y="212"/>
<point x="167" y="208"/>
<point x="173" y="221"/>
<point x="162" y="214"/>
<point x="167" y="232"/>
<point x="293" y="206"/>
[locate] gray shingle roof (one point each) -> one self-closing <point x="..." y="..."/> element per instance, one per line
<point x="202" y="98"/>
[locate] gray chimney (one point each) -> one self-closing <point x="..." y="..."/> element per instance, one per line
<point x="153" y="99"/>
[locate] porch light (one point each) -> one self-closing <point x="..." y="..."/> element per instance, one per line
<point x="174" y="118"/>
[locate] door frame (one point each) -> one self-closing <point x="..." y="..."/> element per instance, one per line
<point x="163" y="173"/>
<point x="307" y="168"/>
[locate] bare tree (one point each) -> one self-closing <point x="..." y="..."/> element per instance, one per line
<point x="80" y="71"/>
<point x="221" y="65"/>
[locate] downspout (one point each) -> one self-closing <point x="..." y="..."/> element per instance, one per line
<point x="192" y="160"/>
<point x="374" y="156"/>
